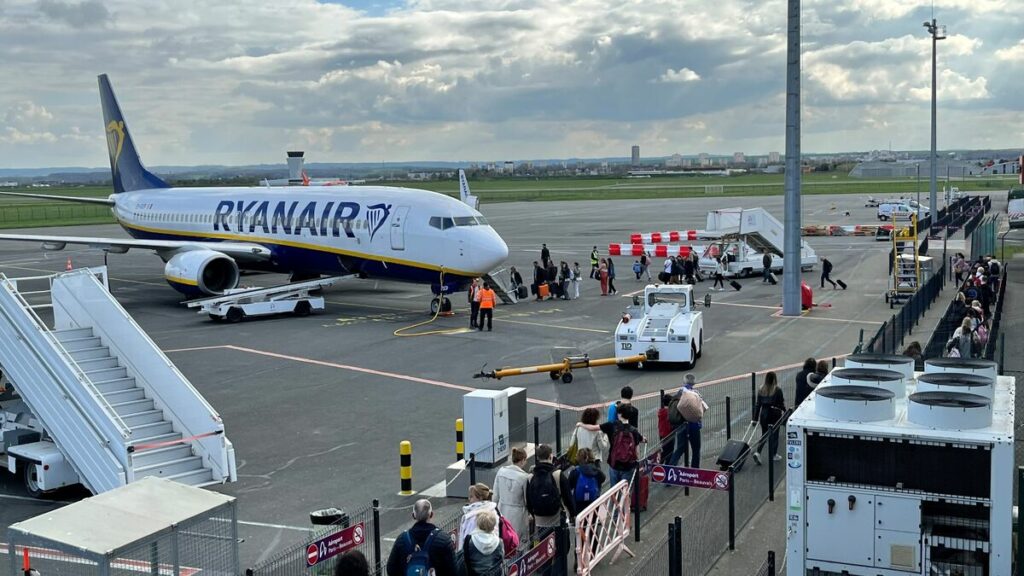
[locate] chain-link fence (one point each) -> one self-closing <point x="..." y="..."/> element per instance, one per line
<point x="892" y="333"/>
<point x="13" y="216"/>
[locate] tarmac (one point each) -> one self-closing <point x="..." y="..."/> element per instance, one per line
<point x="316" y="407"/>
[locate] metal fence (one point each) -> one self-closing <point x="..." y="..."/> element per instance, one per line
<point x="359" y="530"/>
<point x="12" y="216"/>
<point x="891" y="334"/>
<point x="983" y="237"/>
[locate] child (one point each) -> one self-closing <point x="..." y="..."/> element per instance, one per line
<point x="637" y="269"/>
<point x="666" y="431"/>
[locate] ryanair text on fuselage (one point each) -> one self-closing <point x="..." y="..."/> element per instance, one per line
<point x="332" y="219"/>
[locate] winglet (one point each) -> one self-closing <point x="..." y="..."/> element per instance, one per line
<point x="125" y="165"/>
<point x="464" y="193"/>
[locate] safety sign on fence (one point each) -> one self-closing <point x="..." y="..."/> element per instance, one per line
<point x="337" y="543"/>
<point x="535" y="559"/>
<point x="691" y="477"/>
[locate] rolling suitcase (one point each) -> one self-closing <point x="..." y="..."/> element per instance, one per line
<point x="735" y="285"/>
<point x="543" y="291"/>
<point x="734" y="449"/>
<point x="522" y="292"/>
<point x="841" y="284"/>
<point x="772" y="279"/>
<point x="645" y="490"/>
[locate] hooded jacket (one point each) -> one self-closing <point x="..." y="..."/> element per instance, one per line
<point x="468" y="524"/>
<point x="483" y="554"/>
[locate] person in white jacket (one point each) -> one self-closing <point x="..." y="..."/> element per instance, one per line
<point x="595" y="440"/>
<point x="510" y="493"/>
<point x="479" y="500"/>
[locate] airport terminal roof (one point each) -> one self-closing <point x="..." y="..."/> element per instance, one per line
<point x="109" y="523"/>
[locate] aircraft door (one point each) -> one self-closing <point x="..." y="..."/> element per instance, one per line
<point x="398" y="228"/>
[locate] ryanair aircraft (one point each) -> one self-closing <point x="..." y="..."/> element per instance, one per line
<point x="207" y="235"/>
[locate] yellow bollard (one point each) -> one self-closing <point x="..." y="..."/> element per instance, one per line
<point x="460" y="448"/>
<point x="405" y="460"/>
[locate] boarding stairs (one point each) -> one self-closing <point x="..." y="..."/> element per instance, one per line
<point x="109" y="399"/>
<point x="500" y="288"/>
<point x="906" y="266"/>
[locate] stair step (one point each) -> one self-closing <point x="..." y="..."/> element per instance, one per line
<point x="91" y="353"/>
<point x="106" y="373"/>
<point x="72" y="333"/>
<point x="143" y="417"/>
<point x="140" y="437"/>
<point x="145" y="458"/>
<point x="123" y="395"/>
<point x="146" y="431"/>
<point x="110" y="386"/>
<point x="132" y="406"/>
<point x="73" y="344"/>
<point x="200" y="477"/>
<point x="170" y="467"/>
<point x="92" y="364"/>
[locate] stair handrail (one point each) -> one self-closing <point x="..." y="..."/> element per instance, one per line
<point x="83" y="378"/>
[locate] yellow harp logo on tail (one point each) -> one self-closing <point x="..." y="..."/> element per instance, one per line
<point x="115" y="139"/>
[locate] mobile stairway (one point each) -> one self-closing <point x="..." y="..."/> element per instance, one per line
<point x="100" y="401"/>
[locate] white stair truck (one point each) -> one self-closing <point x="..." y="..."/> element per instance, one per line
<point x="239" y="303"/>
<point x="744" y="236"/>
<point x="91" y="399"/>
<point x="666" y="327"/>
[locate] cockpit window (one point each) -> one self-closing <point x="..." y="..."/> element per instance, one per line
<point x="466" y="221"/>
<point x="441" y="223"/>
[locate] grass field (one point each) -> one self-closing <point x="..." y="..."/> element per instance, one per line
<point x="30" y="213"/>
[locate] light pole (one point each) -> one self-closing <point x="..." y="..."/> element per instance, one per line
<point x="791" y="235"/>
<point x="938" y="33"/>
<point x="918" y="191"/>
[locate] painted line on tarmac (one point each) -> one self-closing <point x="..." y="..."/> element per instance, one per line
<point x="266" y="525"/>
<point x="766" y="307"/>
<point x="844" y="320"/>
<point x="577" y="328"/>
<point x="394" y="375"/>
<point x="31" y="499"/>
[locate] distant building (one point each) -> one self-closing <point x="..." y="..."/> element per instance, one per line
<point x="774" y="157"/>
<point x="8" y="184"/>
<point x="913" y="169"/>
<point x="705" y="159"/>
<point x="508" y="168"/>
<point x="739" y="158"/>
<point x="635" y="155"/>
<point x="1010" y="167"/>
<point x="674" y="161"/>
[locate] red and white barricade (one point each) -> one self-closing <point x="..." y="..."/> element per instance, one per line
<point x="659" y="237"/>
<point x="603" y="528"/>
<point x="655" y="250"/>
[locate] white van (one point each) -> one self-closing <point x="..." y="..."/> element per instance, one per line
<point x="886" y="211"/>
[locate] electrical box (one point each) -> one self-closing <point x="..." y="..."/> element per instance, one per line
<point x="892" y="472"/>
<point x="518" y="429"/>
<point x="485" y="418"/>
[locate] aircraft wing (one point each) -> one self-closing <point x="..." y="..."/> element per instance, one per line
<point x="242" y="251"/>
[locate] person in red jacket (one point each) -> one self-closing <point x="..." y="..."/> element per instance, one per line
<point x="666" y="431"/>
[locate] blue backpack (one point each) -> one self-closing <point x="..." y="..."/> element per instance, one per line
<point x="419" y="560"/>
<point x="587" y="489"/>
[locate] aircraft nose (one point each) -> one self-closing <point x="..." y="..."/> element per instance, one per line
<point x="490" y="252"/>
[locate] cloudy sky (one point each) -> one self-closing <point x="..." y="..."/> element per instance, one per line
<point x="240" y="81"/>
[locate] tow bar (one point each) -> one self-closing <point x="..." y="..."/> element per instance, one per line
<point x="561" y="370"/>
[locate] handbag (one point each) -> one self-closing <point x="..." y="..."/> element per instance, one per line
<point x="574" y="447"/>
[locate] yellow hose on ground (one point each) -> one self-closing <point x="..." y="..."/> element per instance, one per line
<point x="440" y="304"/>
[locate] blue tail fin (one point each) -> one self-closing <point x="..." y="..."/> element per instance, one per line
<point x="125" y="166"/>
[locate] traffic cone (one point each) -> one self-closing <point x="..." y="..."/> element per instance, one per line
<point x="68" y="266"/>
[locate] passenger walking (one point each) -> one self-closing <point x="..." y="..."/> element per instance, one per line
<point x="677" y="270"/>
<point x="766" y="262"/>
<point x="666" y="428"/>
<point x="545" y="255"/>
<point x="602" y="275"/>
<point x="692" y="407"/>
<point x="719" y="273"/>
<point x="964" y="343"/>
<point x="820" y="372"/>
<point x="551" y="274"/>
<point x="637" y="269"/>
<point x="959" y="267"/>
<point x="645" y="264"/>
<point x="479" y="501"/>
<point x="352" y="563"/>
<point x="516" y="277"/>
<point x="539" y="277"/>
<point x="482" y="550"/>
<point x="474" y="302"/>
<point x="688" y="271"/>
<point x="592" y="437"/>
<point x="826" y="271"/>
<point x="624" y="440"/>
<point x="424" y="544"/>
<point x="769" y="409"/>
<point x="594" y="255"/>
<point x="576" y="275"/>
<point x="565" y="280"/>
<point x="611" y="276"/>
<point x="666" y="271"/>
<point x="510" y="493"/>
<point x="544" y="490"/>
<point x="585" y="482"/>
<point x="625" y="404"/>
<point x="487" y="299"/>
<point x="803" y="388"/>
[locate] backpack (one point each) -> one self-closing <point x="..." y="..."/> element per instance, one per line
<point x="982" y="334"/>
<point x="542" y="493"/>
<point x="613" y="410"/>
<point x="507" y="533"/>
<point x="419" y="561"/>
<point x="586" y="489"/>
<point x="623" y="450"/>
<point x="675" y="418"/>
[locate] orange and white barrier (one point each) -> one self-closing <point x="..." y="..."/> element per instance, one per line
<point x="602" y="528"/>
<point x="842" y="230"/>
<point x="659" y="237"/>
<point x="656" y="250"/>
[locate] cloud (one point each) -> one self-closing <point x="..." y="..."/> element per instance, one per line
<point x="681" y="76"/>
<point x="1012" y="54"/>
<point x="84" y="14"/>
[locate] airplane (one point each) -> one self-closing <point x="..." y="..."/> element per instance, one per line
<point x="206" y="236"/>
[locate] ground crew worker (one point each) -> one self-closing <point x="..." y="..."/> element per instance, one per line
<point x="474" y="302"/>
<point x="487" y="298"/>
<point x="594" y="261"/>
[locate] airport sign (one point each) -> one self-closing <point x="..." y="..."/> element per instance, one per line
<point x="535" y="559"/>
<point x="689" y="477"/>
<point x="334" y="544"/>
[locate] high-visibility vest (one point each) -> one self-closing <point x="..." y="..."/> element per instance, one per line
<point x="486" y="298"/>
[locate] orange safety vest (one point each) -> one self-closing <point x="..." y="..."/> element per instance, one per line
<point x="486" y="299"/>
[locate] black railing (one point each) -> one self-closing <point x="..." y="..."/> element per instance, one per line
<point x="953" y="316"/>
<point x="891" y="334"/>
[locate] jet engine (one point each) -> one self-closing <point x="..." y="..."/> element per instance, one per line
<point x="201" y="272"/>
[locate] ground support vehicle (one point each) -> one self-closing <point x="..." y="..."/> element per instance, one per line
<point x="665" y="326"/>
